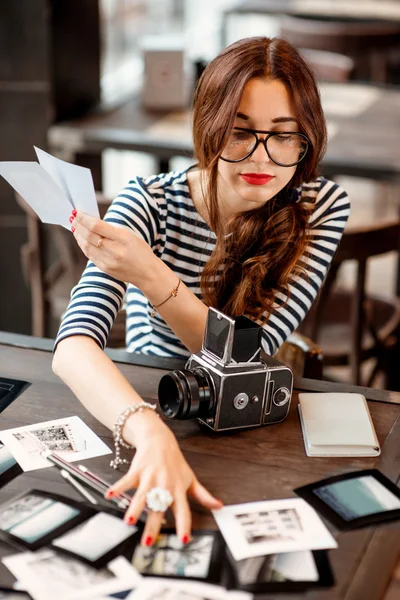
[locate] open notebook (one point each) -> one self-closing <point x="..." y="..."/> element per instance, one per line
<point x="337" y="424"/>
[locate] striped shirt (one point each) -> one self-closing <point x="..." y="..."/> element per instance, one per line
<point x="160" y="210"/>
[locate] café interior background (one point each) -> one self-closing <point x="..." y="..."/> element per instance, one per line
<point x="25" y="44"/>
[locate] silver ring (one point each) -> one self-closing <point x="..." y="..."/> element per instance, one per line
<point x="100" y="242"/>
<point x="158" y="499"/>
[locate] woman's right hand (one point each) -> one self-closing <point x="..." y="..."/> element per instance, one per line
<point x="159" y="462"/>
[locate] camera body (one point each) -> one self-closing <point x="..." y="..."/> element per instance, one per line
<point x="231" y="383"/>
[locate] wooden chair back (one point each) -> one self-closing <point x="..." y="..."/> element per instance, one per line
<point x="372" y="321"/>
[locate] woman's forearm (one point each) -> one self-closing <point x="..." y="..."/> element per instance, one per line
<point x="99" y="385"/>
<point x="185" y="313"/>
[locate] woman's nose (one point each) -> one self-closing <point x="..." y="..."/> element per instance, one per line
<point x="260" y="154"/>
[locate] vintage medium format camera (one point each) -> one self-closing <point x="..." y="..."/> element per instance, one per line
<point x="231" y="383"/>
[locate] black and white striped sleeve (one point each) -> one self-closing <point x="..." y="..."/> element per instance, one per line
<point x="332" y="209"/>
<point x="97" y="298"/>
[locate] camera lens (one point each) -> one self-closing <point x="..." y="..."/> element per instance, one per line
<point x="186" y="394"/>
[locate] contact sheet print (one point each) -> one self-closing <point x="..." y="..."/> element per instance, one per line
<point x="272" y="526"/>
<point x="70" y="437"/>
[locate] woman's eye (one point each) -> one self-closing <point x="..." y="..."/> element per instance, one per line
<point x="241" y="135"/>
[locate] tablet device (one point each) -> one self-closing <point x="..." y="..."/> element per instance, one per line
<point x="10" y="389"/>
<point x="200" y="559"/>
<point x="355" y="499"/>
<point x="35" y="517"/>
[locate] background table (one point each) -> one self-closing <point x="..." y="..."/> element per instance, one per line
<point x="264" y="463"/>
<point x="364" y="126"/>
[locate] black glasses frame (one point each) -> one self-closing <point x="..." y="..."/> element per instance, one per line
<point x="264" y="142"/>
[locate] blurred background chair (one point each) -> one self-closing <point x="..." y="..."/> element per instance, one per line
<point x="351" y="325"/>
<point x="367" y="43"/>
<point x="52" y="264"/>
<point x="303" y="356"/>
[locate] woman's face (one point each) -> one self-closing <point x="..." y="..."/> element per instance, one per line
<point x="246" y="185"/>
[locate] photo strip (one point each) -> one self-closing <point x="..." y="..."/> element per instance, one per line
<point x="169" y="557"/>
<point x="356" y="499"/>
<point x="97" y="540"/>
<point x="34" y="518"/>
<point x="70" y="437"/>
<point x="271" y="527"/>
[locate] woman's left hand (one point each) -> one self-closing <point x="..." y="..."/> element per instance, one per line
<point x="116" y="250"/>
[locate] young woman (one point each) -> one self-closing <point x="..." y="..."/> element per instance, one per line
<point x="250" y="229"/>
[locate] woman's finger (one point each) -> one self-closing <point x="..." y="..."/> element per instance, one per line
<point x="137" y="505"/>
<point x="127" y="482"/>
<point x="203" y="496"/>
<point x="152" y="528"/>
<point x="183" y="518"/>
<point x="97" y="226"/>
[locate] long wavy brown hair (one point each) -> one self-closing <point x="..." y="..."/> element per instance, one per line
<point x="262" y="252"/>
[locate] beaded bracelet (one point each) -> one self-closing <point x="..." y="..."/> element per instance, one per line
<point x="118" y="427"/>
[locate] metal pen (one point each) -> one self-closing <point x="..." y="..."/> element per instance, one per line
<point x="78" y="486"/>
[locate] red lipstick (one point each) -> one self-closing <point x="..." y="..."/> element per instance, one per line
<point x="256" y="178"/>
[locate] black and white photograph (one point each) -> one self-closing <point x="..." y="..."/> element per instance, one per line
<point x="169" y="557"/>
<point x="354" y="499"/>
<point x="96" y="539"/>
<point x="264" y="526"/>
<point x="68" y="578"/>
<point x="9" y="468"/>
<point x="271" y="527"/>
<point x="152" y="589"/>
<point x="287" y="571"/>
<point x="34" y="517"/>
<point x="70" y="437"/>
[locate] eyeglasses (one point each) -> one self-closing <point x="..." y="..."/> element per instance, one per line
<point x="284" y="148"/>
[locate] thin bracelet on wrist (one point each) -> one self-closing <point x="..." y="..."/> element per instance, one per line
<point x="173" y="294"/>
<point x="118" y="428"/>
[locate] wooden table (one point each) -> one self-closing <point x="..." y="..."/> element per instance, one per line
<point x="265" y="463"/>
<point x="364" y="126"/>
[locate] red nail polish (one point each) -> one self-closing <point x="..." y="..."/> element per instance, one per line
<point x="71" y="219"/>
<point x="185" y="539"/>
<point x="74" y="213"/>
<point x="131" y="521"/>
<point x="148" y="541"/>
<point x="73" y="229"/>
<point x="109" y="494"/>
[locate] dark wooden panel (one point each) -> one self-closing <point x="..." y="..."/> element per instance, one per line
<point x="23" y="40"/>
<point x="75" y="56"/>
<point x="14" y="298"/>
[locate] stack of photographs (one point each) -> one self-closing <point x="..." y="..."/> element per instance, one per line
<point x="36" y="519"/>
<point x="95" y="537"/>
<point x="207" y="558"/>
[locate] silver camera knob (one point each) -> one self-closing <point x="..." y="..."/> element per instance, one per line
<point x="281" y="396"/>
<point x="241" y="401"/>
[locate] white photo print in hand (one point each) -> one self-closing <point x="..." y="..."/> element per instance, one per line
<point x="272" y="526"/>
